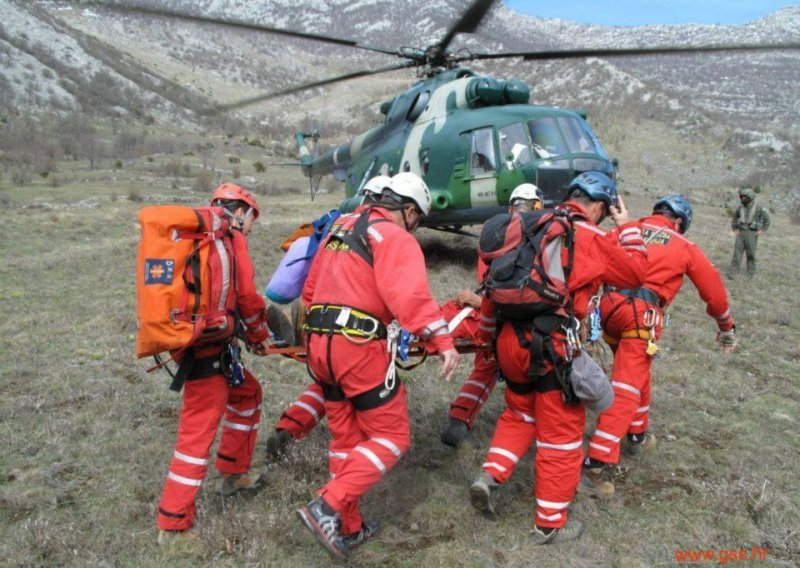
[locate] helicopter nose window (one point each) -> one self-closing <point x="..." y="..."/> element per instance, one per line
<point x="546" y="137"/>
<point x="514" y="144"/>
<point x="482" y="157"/>
<point x="577" y="139"/>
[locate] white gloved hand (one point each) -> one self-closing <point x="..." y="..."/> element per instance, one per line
<point x="727" y="339"/>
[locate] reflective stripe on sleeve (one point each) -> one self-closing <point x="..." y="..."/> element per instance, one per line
<point x="307" y="407"/>
<point x="314" y="395"/>
<point x="643" y="408"/>
<point x="599" y="447"/>
<point x="337" y="455"/>
<point x="471" y="397"/>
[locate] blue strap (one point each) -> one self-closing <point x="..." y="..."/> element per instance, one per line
<point x="322" y="227"/>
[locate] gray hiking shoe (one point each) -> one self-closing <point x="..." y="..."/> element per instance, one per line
<point x="230" y="483"/>
<point x="277" y="443"/>
<point x="325" y="524"/>
<point x="454" y="432"/>
<point x="570" y="531"/>
<point x="368" y="530"/>
<point x="639" y="443"/>
<point x="481" y="493"/>
<point x="594" y="482"/>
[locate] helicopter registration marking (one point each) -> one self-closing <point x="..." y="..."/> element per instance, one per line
<point x="482" y="191"/>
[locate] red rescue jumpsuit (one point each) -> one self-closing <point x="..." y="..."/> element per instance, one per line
<point x="670" y="257"/>
<point x="481" y="381"/>
<point x="207" y="401"/>
<point x="367" y="443"/>
<point x="300" y="418"/>
<point x="599" y="257"/>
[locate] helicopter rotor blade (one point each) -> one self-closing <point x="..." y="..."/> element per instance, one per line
<point x="328" y="81"/>
<point x="468" y="22"/>
<point x="230" y="22"/>
<point x="621" y="52"/>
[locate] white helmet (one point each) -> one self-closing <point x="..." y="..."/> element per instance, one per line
<point x="411" y="186"/>
<point x="376" y="184"/>
<point x="525" y="191"/>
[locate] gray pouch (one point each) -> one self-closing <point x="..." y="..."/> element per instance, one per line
<point x="590" y="383"/>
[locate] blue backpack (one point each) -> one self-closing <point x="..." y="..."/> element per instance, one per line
<point x="286" y="283"/>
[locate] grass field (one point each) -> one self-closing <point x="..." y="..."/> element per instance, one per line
<point x="87" y="434"/>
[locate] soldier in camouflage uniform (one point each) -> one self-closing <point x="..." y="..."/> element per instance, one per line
<point x="751" y="219"/>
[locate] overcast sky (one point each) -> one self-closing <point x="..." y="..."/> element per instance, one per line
<point x="644" y="12"/>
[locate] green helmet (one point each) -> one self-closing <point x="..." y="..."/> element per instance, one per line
<point x="747" y="192"/>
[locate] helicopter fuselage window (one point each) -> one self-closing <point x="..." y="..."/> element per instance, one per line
<point x="577" y="139"/>
<point x="419" y="104"/>
<point x="514" y="143"/>
<point x="546" y="137"/>
<point x="482" y="156"/>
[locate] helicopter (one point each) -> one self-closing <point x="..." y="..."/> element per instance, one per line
<point x="472" y="138"/>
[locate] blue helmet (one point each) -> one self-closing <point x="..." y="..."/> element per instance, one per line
<point x="598" y="186"/>
<point x="680" y="206"/>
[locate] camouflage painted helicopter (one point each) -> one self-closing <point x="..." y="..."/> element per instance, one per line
<point x="472" y="138"/>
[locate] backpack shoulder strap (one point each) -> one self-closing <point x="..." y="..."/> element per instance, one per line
<point x="357" y="239"/>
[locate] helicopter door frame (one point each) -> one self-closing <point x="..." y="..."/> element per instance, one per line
<point x="483" y="185"/>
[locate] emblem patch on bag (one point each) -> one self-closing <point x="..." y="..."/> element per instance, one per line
<point x="158" y="270"/>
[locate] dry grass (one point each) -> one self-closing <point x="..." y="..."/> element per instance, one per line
<point x="88" y="434"/>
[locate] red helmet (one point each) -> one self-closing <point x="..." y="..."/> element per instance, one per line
<point x="232" y="191"/>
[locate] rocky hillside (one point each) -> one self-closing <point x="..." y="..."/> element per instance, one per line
<point x="63" y="56"/>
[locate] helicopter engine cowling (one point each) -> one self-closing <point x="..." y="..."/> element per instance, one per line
<point x="487" y="91"/>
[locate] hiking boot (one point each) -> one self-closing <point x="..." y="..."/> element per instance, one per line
<point x="454" y="432"/>
<point x="277" y="444"/>
<point x="166" y="537"/>
<point x="570" y="531"/>
<point x="593" y="482"/>
<point x="368" y="530"/>
<point x="481" y="493"/>
<point x="324" y="522"/>
<point x="230" y="483"/>
<point x="638" y="443"/>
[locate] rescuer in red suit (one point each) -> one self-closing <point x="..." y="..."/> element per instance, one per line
<point x="368" y="273"/>
<point x="207" y="397"/>
<point x="632" y="321"/>
<point x="536" y="410"/>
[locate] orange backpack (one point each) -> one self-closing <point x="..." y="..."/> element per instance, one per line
<point x="185" y="284"/>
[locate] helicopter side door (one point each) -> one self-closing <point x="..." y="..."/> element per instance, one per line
<point x="481" y="168"/>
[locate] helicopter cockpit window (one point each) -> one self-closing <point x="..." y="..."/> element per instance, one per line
<point x="578" y="139"/>
<point x="419" y="104"/>
<point x="546" y="138"/>
<point x="514" y="145"/>
<point x="482" y="159"/>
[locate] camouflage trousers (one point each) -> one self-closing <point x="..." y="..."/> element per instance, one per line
<point x="746" y="242"/>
